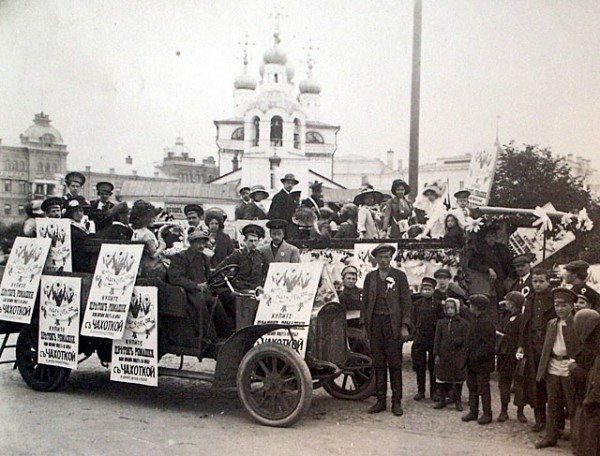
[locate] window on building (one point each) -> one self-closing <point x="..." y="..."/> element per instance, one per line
<point x="21" y="209"/>
<point x="296" y="133"/>
<point x="238" y="134"/>
<point x="276" y="131"/>
<point x="314" y="137"/>
<point x="40" y="167"/>
<point x="276" y="78"/>
<point x="14" y="165"/>
<point x="47" y="168"/>
<point x="22" y="187"/>
<point x="54" y="168"/>
<point x="7" y="209"/>
<point x="7" y="165"/>
<point x="21" y="166"/>
<point x="39" y="189"/>
<point x="256" y="125"/>
<point x="50" y="189"/>
<point x="7" y="186"/>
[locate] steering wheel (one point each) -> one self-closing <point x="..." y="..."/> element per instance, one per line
<point x="217" y="279"/>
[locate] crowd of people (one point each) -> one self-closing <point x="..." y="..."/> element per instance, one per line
<point x="541" y="337"/>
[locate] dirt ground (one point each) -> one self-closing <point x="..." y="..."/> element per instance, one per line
<point x="94" y="416"/>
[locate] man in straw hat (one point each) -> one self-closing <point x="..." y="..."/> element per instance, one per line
<point x="283" y="205"/>
<point x="100" y="207"/>
<point x="386" y="315"/>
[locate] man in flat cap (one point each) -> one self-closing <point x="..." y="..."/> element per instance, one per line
<point x="351" y="295"/>
<point x="119" y="229"/>
<point x="560" y="347"/>
<point x="315" y="200"/>
<point x="242" y="208"/>
<point x="576" y="275"/>
<point x="252" y="263"/>
<point x="385" y="314"/>
<point x="100" y="207"/>
<point x="283" y="205"/>
<point x="522" y="266"/>
<point x="279" y="251"/>
<point x="52" y="207"/>
<point x="193" y="214"/>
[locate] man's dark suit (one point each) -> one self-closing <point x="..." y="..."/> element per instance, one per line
<point x="282" y="207"/>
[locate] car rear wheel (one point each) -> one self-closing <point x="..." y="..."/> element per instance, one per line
<point x="274" y="385"/>
<point x="39" y="377"/>
<point x="355" y="383"/>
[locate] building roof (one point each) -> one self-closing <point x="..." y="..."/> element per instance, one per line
<point x="326" y="179"/>
<point x="181" y="191"/>
<point x="41" y="131"/>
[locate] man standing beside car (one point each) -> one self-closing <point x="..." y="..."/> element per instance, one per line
<point x="386" y="315"/>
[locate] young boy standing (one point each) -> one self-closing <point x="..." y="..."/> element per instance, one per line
<point x="481" y="341"/>
<point x="425" y="313"/>
<point x="560" y="346"/>
<point x="350" y="295"/>
<point x="539" y="310"/>
<point x="507" y="350"/>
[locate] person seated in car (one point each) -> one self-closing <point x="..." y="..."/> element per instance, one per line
<point x="252" y="263"/>
<point x="76" y="207"/>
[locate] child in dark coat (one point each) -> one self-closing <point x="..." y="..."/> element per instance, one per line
<point x="425" y="313"/>
<point x="450" y="350"/>
<point x="481" y="341"/>
<point x="507" y="350"/>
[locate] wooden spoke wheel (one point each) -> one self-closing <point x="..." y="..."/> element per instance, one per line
<point x="355" y="383"/>
<point x="39" y="377"/>
<point x="274" y="385"/>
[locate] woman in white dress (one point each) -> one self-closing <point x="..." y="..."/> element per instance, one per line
<point x="432" y="203"/>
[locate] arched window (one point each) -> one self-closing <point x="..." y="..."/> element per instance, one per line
<point x="40" y="167"/>
<point x="47" y="168"/>
<point x="238" y="134"/>
<point x="256" y="126"/>
<point x="47" y="138"/>
<point x="54" y="168"/>
<point x="7" y="165"/>
<point x="296" y="133"/>
<point x="276" y="78"/>
<point x="314" y="137"/>
<point x="14" y="165"/>
<point x="21" y="166"/>
<point x="276" y="131"/>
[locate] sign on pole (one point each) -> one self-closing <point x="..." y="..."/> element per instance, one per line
<point x="59" y="233"/>
<point x="480" y="178"/>
<point x="288" y="299"/>
<point x="21" y="279"/>
<point x="60" y="301"/>
<point x="135" y="356"/>
<point x="110" y="294"/>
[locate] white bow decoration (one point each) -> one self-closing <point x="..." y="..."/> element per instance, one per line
<point x="543" y="221"/>
<point x="584" y="223"/>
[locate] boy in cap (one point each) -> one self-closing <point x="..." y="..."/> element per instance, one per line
<point x="481" y="340"/>
<point x="507" y="351"/>
<point x="462" y="211"/>
<point x="560" y="346"/>
<point x="446" y="288"/>
<point x="539" y="310"/>
<point x="522" y="266"/>
<point x="425" y="313"/>
<point x="283" y="205"/>
<point x="351" y="295"/>
<point x="75" y="181"/>
<point x="385" y="314"/>
<point x="100" y="207"/>
<point x="193" y="214"/>
<point x="576" y="274"/>
<point x="240" y="209"/>
<point x="279" y="251"/>
<point x="52" y="207"/>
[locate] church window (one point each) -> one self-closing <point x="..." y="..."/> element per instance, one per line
<point x="296" y="133"/>
<point x="313" y="137"/>
<point x="276" y="78"/>
<point x="256" y="125"/>
<point x="238" y="134"/>
<point x="276" y="131"/>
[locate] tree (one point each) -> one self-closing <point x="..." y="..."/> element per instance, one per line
<point x="531" y="176"/>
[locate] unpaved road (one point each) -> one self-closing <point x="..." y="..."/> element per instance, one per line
<point x="94" y="416"/>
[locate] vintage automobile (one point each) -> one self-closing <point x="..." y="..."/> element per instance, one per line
<point x="274" y="383"/>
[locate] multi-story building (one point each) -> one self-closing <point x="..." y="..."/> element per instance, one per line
<point x="179" y="164"/>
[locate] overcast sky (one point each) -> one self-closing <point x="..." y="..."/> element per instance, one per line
<point x="114" y="84"/>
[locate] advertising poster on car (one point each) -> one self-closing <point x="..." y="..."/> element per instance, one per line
<point x="111" y="290"/>
<point x="334" y="260"/>
<point x="480" y="178"/>
<point x="60" y="299"/>
<point x="135" y="356"/>
<point x="21" y="278"/>
<point x="531" y="241"/>
<point x="288" y="299"/>
<point x="59" y="233"/>
<point x="364" y="261"/>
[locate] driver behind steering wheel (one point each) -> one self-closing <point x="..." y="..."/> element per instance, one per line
<point x="253" y="267"/>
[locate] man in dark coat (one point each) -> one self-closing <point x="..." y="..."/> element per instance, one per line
<point x="522" y="284"/>
<point x="576" y="273"/>
<point x="315" y="200"/>
<point x="587" y="329"/>
<point x="118" y="230"/>
<point x="283" y="205"/>
<point x="425" y="313"/>
<point x="100" y="208"/>
<point x="385" y="314"/>
<point x="240" y="209"/>
<point x="193" y="214"/>
<point x="481" y="341"/>
<point x="539" y="310"/>
<point x="351" y="295"/>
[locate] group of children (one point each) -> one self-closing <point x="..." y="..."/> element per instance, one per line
<point x="534" y="350"/>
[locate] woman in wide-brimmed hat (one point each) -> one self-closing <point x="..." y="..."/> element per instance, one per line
<point x="255" y="209"/>
<point x="75" y="208"/>
<point x="219" y="242"/>
<point x="368" y="216"/>
<point x="432" y="203"/>
<point x="397" y="211"/>
<point x="142" y="217"/>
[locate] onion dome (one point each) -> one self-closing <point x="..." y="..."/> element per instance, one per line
<point x="244" y="81"/>
<point x="275" y="55"/>
<point x="42" y="131"/>
<point x="310" y="85"/>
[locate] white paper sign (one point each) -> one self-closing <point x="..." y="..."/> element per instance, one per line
<point x="112" y="287"/>
<point x="364" y="261"/>
<point x="480" y="178"/>
<point x="135" y="356"/>
<point x="21" y="278"/>
<point x="531" y="241"/>
<point x="59" y="232"/>
<point x="288" y="299"/>
<point x="60" y="299"/>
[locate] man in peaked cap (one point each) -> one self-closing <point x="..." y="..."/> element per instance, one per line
<point x="100" y="207"/>
<point x="283" y="205"/>
<point x="315" y="200"/>
<point x="522" y="266"/>
<point x="119" y="229"/>
<point x="241" y="208"/>
<point x="52" y="207"/>
<point x="385" y="313"/>
<point x="576" y="275"/>
<point x="193" y="214"/>
<point x="279" y="251"/>
<point x="75" y="181"/>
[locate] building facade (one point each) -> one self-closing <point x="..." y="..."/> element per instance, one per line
<point x="179" y="164"/>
